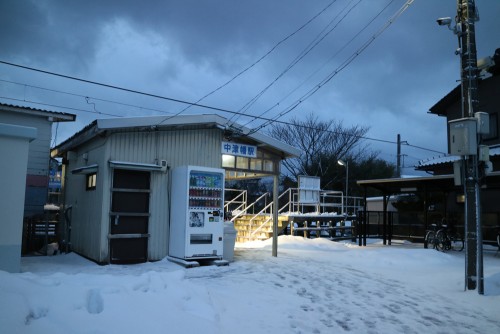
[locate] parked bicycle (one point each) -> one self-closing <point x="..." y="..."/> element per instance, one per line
<point x="442" y="238"/>
<point x="430" y="237"/>
<point x="498" y="240"/>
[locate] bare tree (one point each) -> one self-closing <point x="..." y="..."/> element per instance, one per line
<point x="322" y="143"/>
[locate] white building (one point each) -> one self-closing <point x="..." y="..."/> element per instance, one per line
<point x="25" y="135"/>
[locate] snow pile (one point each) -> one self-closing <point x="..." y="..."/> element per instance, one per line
<point x="313" y="286"/>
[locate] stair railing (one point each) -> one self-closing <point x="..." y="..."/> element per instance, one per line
<point x="290" y="205"/>
<point x="240" y="200"/>
<point x="293" y="202"/>
<point x="245" y="210"/>
<point x="270" y="205"/>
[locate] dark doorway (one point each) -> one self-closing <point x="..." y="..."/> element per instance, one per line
<point x="129" y="217"/>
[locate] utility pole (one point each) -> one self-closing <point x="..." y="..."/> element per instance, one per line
<point x="466" y="17"/>
<point x="398" y="165"/>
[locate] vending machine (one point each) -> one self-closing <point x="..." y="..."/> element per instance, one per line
<point x="197" y="207"/>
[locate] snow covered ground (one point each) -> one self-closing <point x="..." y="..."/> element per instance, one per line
<point x="313" y="286"/>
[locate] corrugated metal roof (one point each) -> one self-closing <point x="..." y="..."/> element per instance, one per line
<point x="176" y="121"/>
<point x="58" y="116"/>
<point x="410" y="185"/>
<point x="494" y="151"/>
<point x="438" y="161"/>
<point x="219" y="121"/>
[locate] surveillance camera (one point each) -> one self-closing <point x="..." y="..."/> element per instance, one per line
<point x="444" y="21"/>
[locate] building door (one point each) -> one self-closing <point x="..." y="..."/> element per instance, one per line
<point x="129" y="216"/>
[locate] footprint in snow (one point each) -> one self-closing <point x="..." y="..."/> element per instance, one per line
<point x="95" y="304"/>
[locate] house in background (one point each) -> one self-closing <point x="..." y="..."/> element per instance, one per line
<point x="37" y="177"/>
<point x="117" y="177"/>
<point x="450" y="107"/>
<point x="427" y="200"/>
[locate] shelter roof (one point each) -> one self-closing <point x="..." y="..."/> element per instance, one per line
<point x="428" y="183"/>
<point x="409" y="185"/>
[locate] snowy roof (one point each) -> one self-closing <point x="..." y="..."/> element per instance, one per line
<point x="494" y="151"/>
<point x="438" y="161"/>
<point x="153" y="122"/>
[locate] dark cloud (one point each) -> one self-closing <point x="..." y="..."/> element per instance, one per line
<point x="185" y="49"/>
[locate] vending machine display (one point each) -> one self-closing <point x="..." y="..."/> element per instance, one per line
<point x="197" y="206"/>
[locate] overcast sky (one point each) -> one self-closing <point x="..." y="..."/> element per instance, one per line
<point x="187" y="49"/>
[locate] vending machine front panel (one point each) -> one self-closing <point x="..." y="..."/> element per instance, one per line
<point x="197" y="223"/>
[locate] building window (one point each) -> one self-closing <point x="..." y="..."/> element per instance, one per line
<point x="228" y="161"/>
<point x="268" y="166"/>
<point x="255" y="164"/>
<point x="91" y="181"/>
<point x="241" y="163"/>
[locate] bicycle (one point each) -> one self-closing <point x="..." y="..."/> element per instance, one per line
<point x="448" y="240"/>
<point x="430" y="237"/>
<point x="442" y="239"/>
<point x="498" y="241"/>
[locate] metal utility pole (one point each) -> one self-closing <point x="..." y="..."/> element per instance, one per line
<point x="398" y="165"/>
<point x="466" y="17"/>
<point x="275" y="214"/>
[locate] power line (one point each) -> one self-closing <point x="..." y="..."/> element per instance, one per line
<point x="203" y="106"/>
<point x="423" y="148"/>
<point x="329" y="60"/>
<point x="85" y="96"/>
<point x="268" y="120"/>
<point x="218" y="109"/>
<point x="302" y="54"/>
<point x="258" y="60"/>
<point x="101" y="84"/>
<point x="58" y="106"/>
<point x="341" y="67"/>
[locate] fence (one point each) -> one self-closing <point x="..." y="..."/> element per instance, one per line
<point x="411" y="226"/>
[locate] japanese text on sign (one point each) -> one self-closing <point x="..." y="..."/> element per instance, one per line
<point x="240" y="150"/>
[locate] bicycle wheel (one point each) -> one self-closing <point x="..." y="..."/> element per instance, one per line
<point x="457" y="243"/>
<point x="429" y="240"/>
<point x="441" y="241"/>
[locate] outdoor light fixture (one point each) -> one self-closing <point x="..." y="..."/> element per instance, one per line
<point x="446" y="21"/>
<point x="346" y="165"/>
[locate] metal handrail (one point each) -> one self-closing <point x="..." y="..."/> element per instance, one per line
<point x="242" y="202"/>
<point x="265" y="222"/>
<point x="323" y="195"/>
<point x="261" y="226"/>
<point x="245" y="210"/>
<point x="289" y="191"/>
<point x="293" y="205"/>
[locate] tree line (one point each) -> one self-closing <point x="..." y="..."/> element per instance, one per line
<point x="323" y="144"/>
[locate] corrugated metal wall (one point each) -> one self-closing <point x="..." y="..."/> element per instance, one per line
<point x="89" y="213"/>
<point x="199" y="147"/>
